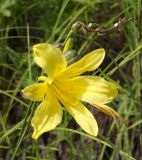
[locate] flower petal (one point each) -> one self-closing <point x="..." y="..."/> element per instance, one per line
<point x="50" y="58"/>
<point x="92" y="89"/>
<point x="47" y="116"/>
<point x="89" y="62"/>
<point x="84" y="118"/>
<point x="35" y="92"/>
<point x="80" y="113"/>
<point x="109" y="111"/>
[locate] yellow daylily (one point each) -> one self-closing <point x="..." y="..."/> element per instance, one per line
<point x="63" y="84"/>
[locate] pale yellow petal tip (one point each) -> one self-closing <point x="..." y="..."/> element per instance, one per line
<point x="93" y="130"/>
<point x="24" y="91"/>
<point x="102" y="51"/>
<point x="39" y="45"/>
<point x="35" y="136"/>
<point x="96" y="130"/>
<point x="95" y="133"/>
<point x="36" y="48"/>
<point x="114" y="87"/>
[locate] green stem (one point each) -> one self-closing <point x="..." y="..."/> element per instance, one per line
<point x="24" y="127"/>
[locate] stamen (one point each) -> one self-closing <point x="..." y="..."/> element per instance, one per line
<point x="63" y="94"/>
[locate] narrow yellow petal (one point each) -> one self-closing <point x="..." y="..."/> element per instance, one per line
<point x="109" y="111"/>
<point x="50" y="58"/>
<point x="84" y="118"/>
<point x="35" y="92"/>
<point x="89" y="62"/>
<point x="80" y="113"/>
<point x="91" y="89"/>
<point x="47" y="116"/>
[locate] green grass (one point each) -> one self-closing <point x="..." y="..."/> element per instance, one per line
<point x="24" y="23"/>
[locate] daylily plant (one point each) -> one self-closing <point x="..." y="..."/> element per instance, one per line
<point x="64" y="85"/>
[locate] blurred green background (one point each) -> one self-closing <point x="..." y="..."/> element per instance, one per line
<point x="24" y="23"/>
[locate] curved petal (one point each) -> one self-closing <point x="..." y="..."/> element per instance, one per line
<point x="35" y="92"/>
<point x="84" y="118"/>
<point x="110" y="112"/>
<point x="50" y="58"/>
<point x="47" y="116"/>
<point x="92" y="89"/>
<point x="89" y="62"/>
<point x="81" y="114"/>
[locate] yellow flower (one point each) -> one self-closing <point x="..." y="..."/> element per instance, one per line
<point x="62" y="85"/>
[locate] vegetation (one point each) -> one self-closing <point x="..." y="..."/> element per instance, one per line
<point x="25" y="23"/>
